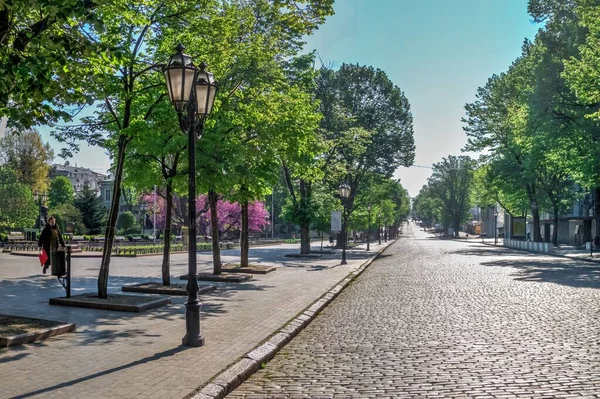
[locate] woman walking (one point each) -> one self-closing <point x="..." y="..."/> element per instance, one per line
<point x="50" y="239"/>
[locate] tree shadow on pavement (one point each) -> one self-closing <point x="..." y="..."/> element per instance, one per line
<point x="17" y="356"/>
<point x="29" y="298"/>
<point x="473" y="250"/>
<point x="558" y="272"/>
<point x="154" y="357"/>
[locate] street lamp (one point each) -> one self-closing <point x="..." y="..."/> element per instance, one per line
<point x="379" y="226"/>
<point x="142" y="207"/>
<point x="369" y="232"/>
<point x="495" y="226"/>
<point x="40" y="197"/>
<point x="344" y="195"/>
<point x="192" y="93"/>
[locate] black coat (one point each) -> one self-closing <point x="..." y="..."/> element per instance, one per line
<point x="46" y="238"/>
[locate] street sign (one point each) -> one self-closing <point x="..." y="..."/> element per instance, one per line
<point x="336" y="221"/>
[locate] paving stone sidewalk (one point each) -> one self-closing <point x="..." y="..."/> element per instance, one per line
<point x="448" y="319"/>
<point x="122" y="355"/>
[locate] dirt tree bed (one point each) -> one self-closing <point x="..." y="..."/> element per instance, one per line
<point x="16" y="330"/>
<point x="251" y="269"/>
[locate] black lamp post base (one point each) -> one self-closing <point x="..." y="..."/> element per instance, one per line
<point x="192" y="321"/>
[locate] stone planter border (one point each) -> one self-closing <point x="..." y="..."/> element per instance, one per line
<point x="224" y="278"/>
<point x="161" y="290"/>
<point x="152" y="303"/>
<point x="36" y="336"/>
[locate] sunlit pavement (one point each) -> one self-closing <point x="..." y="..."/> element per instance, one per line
<point x="131" y="355"/>
<point x="441" y="318"/>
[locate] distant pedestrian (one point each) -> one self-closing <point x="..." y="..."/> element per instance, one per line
<point x="50" y="240"/>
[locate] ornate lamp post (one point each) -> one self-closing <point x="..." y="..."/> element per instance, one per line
<point x="192" y="93"/>
<point x="369" y="207"/>
<point x="344" y="195"/>
<point x="142" y="207"/>
<point x="379" y="226"/>
<point x="495" y="226"/>
<point x="41" y="198"/>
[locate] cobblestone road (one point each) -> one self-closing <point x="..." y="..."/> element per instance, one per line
<point x="437" y="319"/>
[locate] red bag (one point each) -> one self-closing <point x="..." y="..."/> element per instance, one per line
<point x="43" y="257"/>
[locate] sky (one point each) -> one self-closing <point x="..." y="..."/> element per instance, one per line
<point x="437" y="51"/>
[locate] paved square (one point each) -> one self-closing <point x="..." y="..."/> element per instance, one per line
<point x="123" y="355"/>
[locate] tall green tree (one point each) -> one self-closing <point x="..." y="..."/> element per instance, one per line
<point x="368" y="122"/>
<point x="25" y="153"/>
<point x="61" y="192"/>
<point x="92" y="209"/>
<point x="427" y="207"/>
<point x="17" y="208"/>
<point x="67" y="213"/>
<point x="451" y="183"/>
<point x="500" y="122"/>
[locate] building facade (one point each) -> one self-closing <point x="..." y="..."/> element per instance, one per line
<point x="79" y="177"/>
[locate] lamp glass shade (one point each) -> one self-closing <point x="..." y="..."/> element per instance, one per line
<point x="205" y="90"/>
<point x="344" y="190"/>
<point x="180" y="73"/>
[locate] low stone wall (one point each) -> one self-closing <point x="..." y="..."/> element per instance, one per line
<point x="544" y="247"/>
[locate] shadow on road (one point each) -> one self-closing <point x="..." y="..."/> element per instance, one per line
<point x="479" y="250"/>
<point x="558" y="272"/>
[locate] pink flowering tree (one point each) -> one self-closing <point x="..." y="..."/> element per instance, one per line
<point x="179" y="210"/>
<point x="229" y="216"/>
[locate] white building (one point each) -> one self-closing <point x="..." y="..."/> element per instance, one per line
<point x="79" y="177"/>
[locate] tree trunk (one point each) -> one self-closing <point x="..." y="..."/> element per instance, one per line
<point x="321" y="241"/>
<point x="111" y="224"/>
<point x="244" y="241"/>
<point x="537" y="236"/>
<point x="214" y="223"/>
<point x="597" y="212"/>
<point x="305" y="238"/>
<point x="555" y="232"/>
<point x="166" y="264"/>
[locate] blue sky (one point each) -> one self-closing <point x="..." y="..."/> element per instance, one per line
<point x="437" y="51"/>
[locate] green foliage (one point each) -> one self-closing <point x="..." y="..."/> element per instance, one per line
<point x="427" y="207"/>
<point x="67" y="213"/>
<point x="61" y="192"/>
<point x="39" y="43"/>
<point x="17" y="207"/>
<point x="93" y="211"/>
<point x="449" y="186"/>
<point x="25" y="153"/>
<point x="126" y="221"/>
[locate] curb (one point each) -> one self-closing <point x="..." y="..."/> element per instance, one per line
<point x="232" y="377"/>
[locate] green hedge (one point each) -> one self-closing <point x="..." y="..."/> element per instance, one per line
<point x="134" y="250"/>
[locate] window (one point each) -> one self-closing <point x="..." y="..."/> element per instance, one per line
<point x="107" y="195"/>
